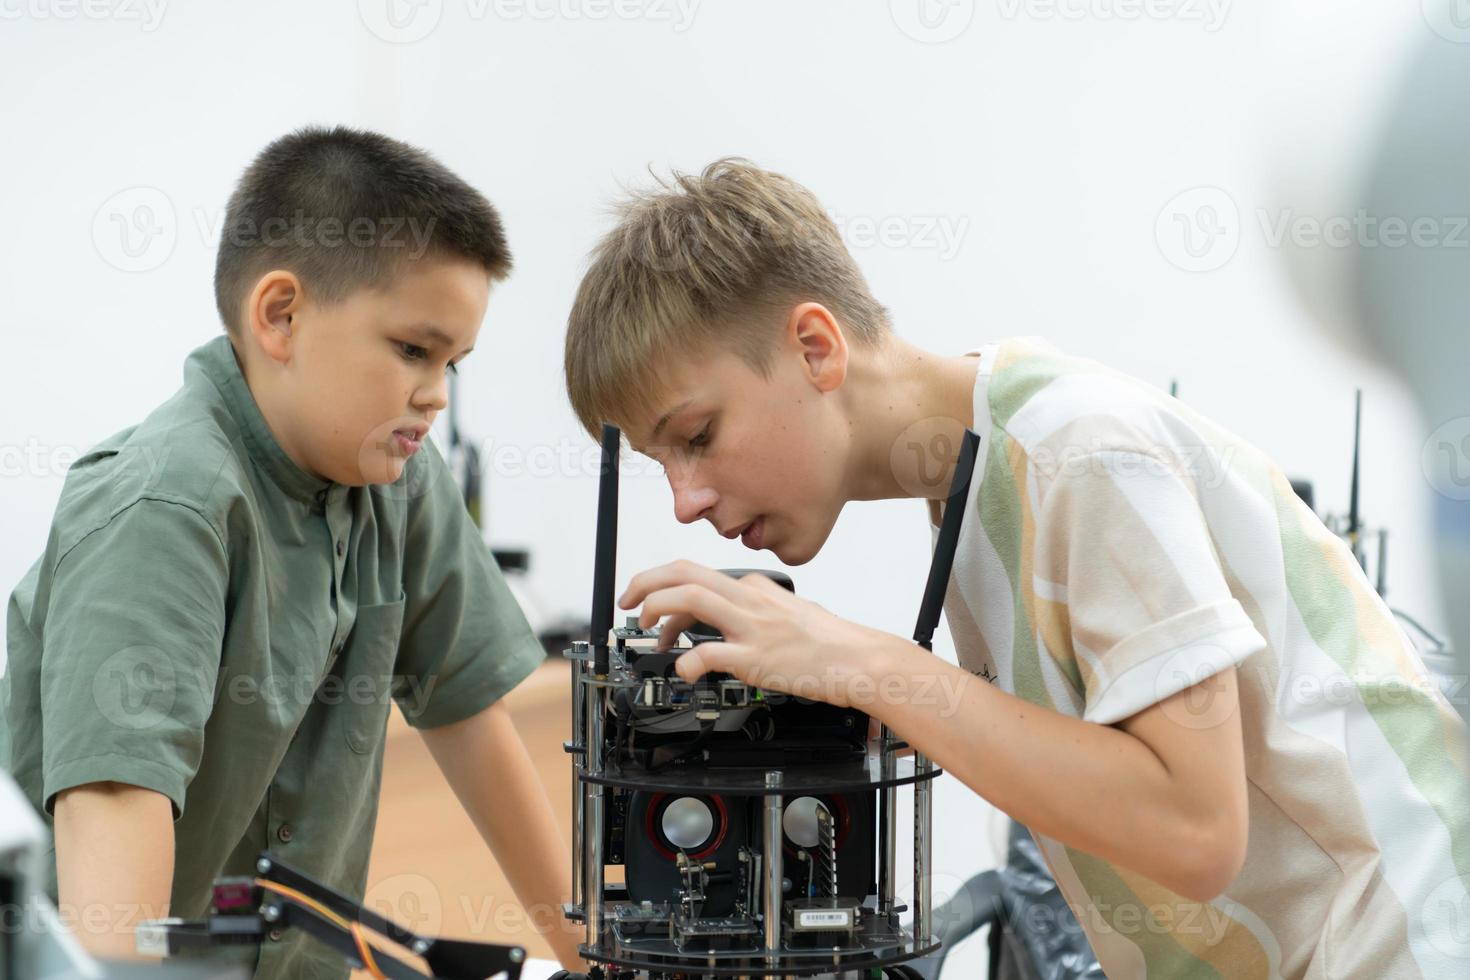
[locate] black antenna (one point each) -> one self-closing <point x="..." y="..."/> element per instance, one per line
<point x="607" y="549"/>
<point x="1353" y="525"/>
<point x="949" y="537"/>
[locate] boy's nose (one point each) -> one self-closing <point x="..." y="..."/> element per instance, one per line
<point x="692" y="503"/>
<point x="434" y="397"/>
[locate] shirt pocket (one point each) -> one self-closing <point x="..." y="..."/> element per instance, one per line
<point x="367" y="674"/>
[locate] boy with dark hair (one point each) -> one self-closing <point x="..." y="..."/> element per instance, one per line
<point x="1232" y="759"/>
<point x="202" y="661"/>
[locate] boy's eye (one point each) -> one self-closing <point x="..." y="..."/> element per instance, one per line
<point x="413" y="352"/>
<point x="700" y="440"/>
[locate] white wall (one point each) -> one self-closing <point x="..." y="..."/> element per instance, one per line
<point x="1048" y="145"/>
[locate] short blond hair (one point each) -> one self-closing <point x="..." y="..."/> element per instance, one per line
<point x="699" y="261"/>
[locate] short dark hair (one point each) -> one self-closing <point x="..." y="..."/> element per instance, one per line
<point x="344" y="209"/>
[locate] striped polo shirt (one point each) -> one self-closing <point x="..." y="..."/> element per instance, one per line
<point x="1118" y="548"/>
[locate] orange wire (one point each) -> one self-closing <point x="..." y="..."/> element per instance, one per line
<point x="354" y="929"/>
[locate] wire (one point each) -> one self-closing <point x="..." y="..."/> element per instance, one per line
<point x="354" y="929"/>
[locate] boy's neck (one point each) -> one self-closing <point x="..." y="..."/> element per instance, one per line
<point x="907" y="410"/>
<point x="266" y="402"/>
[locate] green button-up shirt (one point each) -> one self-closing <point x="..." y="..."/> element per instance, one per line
<point x="214" y="623"/>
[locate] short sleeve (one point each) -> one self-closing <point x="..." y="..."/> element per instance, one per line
<point x="466" y="642"/>
<point x="130" y="654"/>
<point x="1126" y="573"/>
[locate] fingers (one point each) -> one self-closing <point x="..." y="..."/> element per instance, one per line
<point x="677" y="573"/>
<point x="729" y="658"/>
<point x="695" y="601"/>
<point x="673" y="626"/>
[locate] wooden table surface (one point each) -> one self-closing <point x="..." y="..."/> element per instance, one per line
<point x="430" y="869"/>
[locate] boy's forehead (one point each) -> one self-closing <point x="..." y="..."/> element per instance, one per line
<point x="678" y="385"/>
<point x="648" y="425"/>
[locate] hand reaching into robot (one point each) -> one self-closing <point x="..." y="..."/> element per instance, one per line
<point x="773" y="639"/>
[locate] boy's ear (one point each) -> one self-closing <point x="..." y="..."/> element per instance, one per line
<point x="271" y="310"/>
<point x="813" y="329"/>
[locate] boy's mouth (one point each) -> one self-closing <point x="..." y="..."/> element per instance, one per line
<point x="753" y="533"/>
<point x="410" y="439"/>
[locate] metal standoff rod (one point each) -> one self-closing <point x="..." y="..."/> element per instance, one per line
<point x="772" y="859"/>
<point x="887" y="825"/>
<point x="594" y="701"/>
<point x="577" y="747"/>
<point x="929" y="611"/>
<point x="592" y="859"/>
<point x="923" y="851"/>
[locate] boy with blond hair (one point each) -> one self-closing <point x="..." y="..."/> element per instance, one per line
<point x="1170" y="671"/>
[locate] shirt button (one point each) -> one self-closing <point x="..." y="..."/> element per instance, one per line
<point x="285" y="833"/>
<point x="341" y="548"/>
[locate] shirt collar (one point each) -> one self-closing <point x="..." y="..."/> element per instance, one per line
<point x="218" y="361"/>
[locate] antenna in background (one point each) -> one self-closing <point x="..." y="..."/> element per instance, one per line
<point x="468" y="455"/>
<point x="1354" y="526"/>
<point x="944" y="548"/>
<point x="607" y="549"/>
<point x="453" y="411"/>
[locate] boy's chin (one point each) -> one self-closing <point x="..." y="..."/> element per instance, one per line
<point x="795" y="553"/>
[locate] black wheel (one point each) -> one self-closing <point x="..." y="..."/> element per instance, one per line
<point x="902" y="973"/>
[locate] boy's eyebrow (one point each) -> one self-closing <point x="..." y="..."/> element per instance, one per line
<point x="664" y="420"/>
<point x="434" y="333"/>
